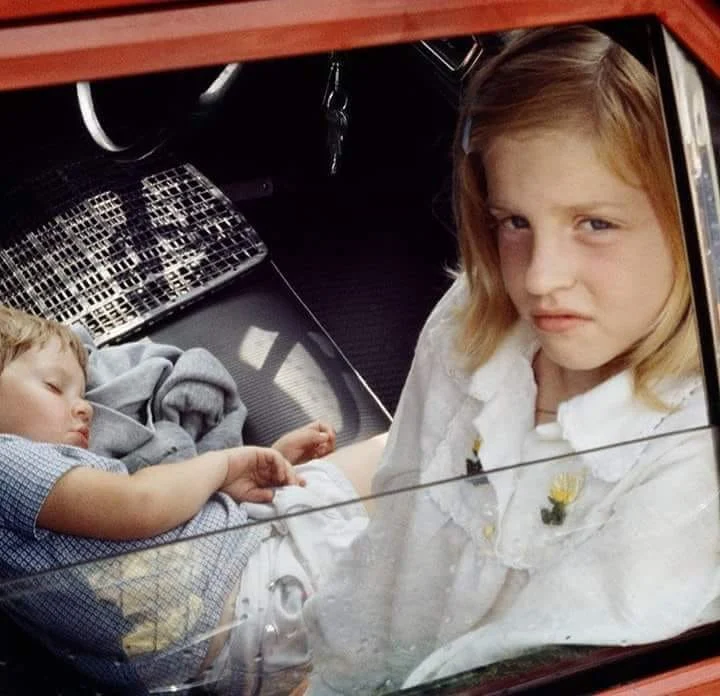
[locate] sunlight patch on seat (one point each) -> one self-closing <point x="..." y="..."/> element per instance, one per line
<point x="301" y="376"/>
<point x="256" y="345"/>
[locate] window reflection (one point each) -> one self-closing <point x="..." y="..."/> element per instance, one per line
<point x="630" y="563"/>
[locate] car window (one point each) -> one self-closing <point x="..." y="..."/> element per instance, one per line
<point x="482" y="570"/>
<point x="557" y="614"/>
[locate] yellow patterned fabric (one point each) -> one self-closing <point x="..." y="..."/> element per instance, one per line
<point x="140" y="584"/>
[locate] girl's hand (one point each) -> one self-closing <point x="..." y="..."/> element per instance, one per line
<point x="254" y="471"/>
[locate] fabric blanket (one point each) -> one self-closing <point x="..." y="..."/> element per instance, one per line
<point x="155" y="402"/>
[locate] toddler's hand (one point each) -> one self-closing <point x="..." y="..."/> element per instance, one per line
<point x="254" y="471"/>
<point x="312" y="441"/>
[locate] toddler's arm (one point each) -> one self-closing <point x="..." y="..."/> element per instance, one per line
<point x="106" y="505"/>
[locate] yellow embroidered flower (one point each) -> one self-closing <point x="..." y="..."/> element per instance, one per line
<point x="564" y="490"/>
<point x="565" y="487"/>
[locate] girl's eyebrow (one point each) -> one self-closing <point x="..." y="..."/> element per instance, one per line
<point x="580" y="206"/>
<point x="598" y="204"/>
<point x="498" y="206"/>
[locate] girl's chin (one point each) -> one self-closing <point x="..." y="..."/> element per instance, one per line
<point x="575" y="360"/>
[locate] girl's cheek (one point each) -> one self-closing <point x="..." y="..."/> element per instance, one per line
<point x="514" y="241"/>
<point x="514" y="255"/>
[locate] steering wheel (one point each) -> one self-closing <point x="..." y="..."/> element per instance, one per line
<point x="205" y="102"/>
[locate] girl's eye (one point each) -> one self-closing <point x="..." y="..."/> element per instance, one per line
<point x="53" y="387"/>
<point x="597" y="225"/>
<point x="513" y="222"/>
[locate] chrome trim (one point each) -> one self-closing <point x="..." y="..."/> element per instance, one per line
<point x="686" y="119"/>
<point x="220" y="84"/>
<point x="460" y="69"/>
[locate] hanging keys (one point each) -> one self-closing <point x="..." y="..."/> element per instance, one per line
<point x="337" y="127"/>
<point x="335" y="103"/>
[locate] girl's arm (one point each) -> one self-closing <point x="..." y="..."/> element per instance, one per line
<point x="106" y="505"/>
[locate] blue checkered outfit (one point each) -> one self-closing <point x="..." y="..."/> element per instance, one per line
<point x="134" y="622"/>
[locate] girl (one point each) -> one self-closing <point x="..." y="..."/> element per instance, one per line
<point x="569" y="329"/>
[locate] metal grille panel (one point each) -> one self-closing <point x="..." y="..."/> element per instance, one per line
<point x="124" y="256"/>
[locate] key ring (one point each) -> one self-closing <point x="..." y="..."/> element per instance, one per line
<point x="333" y="89"/>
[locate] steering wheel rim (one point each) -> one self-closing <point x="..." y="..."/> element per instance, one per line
<point x="209" y="98"/>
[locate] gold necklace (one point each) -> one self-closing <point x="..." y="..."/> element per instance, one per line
<point x="546" y="411"/>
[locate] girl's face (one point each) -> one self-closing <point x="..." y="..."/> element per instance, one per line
<point x="582" y="253"/>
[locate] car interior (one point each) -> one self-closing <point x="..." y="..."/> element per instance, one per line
<point x="291" y="215"/>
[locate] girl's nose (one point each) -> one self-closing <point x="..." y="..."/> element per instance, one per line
<point x="550" y="266"/>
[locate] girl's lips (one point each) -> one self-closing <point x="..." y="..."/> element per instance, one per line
<point x="558" y="323"/>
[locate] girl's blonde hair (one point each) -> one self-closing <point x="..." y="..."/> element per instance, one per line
<point x="577" y="78"/>
<point x="20" y="331"/>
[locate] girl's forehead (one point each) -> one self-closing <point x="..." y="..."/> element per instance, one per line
<point x="519" y="140"/>
<point x="565" y="164"/>
<point x="569" y="139"/>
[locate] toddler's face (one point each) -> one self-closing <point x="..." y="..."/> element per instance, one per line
<point x="582" y="253"/>
<point x="41" y="397"/>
